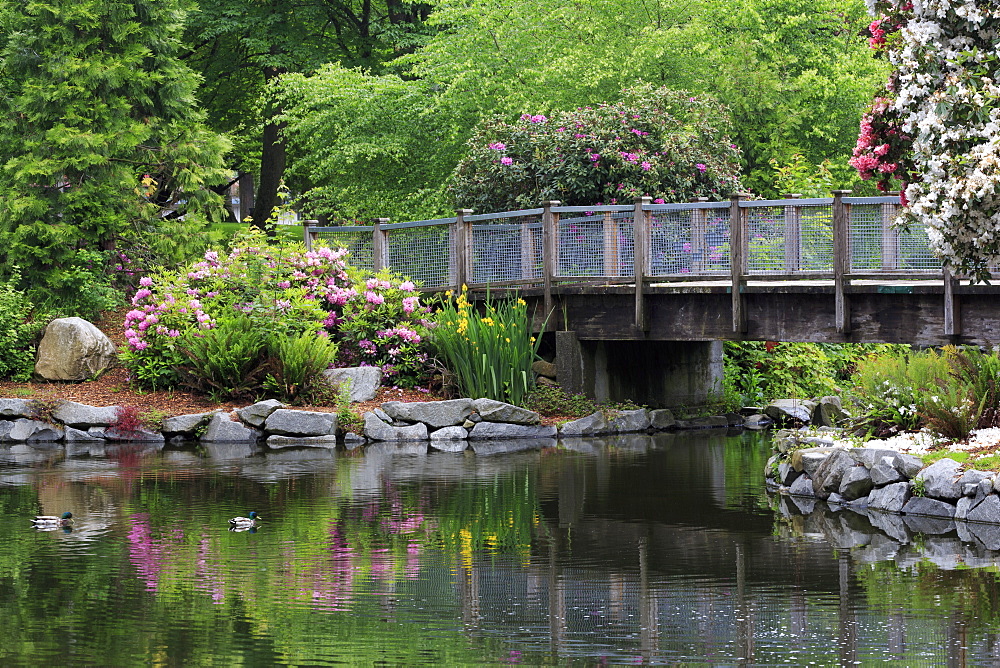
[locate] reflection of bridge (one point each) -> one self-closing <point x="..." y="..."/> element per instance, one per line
<point x="831" y="270"/>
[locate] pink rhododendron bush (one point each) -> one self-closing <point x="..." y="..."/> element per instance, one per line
<point x="267" y="293"/>
<point x="936" y="128"/>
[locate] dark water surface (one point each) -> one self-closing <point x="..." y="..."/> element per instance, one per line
<point x="662" y="549"/>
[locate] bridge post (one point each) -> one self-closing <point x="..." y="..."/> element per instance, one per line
<point x="640" y="242"/>
<point x="952" y="309"/>
<point x="550" y="253"/>
<point x="793" y="235"/>
<point x="841" y="261"/>
<point x="699" y="250"/>
<point x="380" y="245"/>
<point x="461" y="248"/>
<point x="307" y="236"/>
<point x="737" y="260"/>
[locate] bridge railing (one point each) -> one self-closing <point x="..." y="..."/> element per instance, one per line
<point x="785" y="239"/>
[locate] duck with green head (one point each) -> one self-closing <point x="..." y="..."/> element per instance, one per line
<point x="51" y="522"/>
<point x="244" y="523"/>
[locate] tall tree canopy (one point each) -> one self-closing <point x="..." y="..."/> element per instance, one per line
<point x="103" y="138"/>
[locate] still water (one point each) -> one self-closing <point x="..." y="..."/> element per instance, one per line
<point x="638" y="550"/>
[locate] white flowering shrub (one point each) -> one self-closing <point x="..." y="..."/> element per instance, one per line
<point x="936" y="128"/>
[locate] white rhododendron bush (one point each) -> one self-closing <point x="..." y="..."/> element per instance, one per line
<point x="936" y="127"/>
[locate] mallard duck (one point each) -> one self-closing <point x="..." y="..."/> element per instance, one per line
<point x="52" y="522"/>
<point x="244" y="523"/>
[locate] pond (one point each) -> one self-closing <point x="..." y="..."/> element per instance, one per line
<point x="637" y="550"/>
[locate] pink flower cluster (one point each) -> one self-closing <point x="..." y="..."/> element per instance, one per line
<point x="878" y="151"/>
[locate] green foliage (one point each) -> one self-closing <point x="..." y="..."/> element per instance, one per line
<point x="799" y="176"/>
<point x="17" y="334"/>
<point x="489" y="352"/>
<point x="551" y="400"/>
<point x="81" y="287"/>
<point x="651" y="141"/>
<point x="228" y="361"/>
<point x="102" y="138"/>
<point x="44" y="409"/>
<point x="757" y="372"/>
<point x="888" y="389"/>
<point x="297" y="366"/>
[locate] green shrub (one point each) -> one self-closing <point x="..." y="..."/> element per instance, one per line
<point x="17" y="358"/>
<point x="227" y="361"/>
<point x="297" y="364"/>
<point x="490" y="353"/>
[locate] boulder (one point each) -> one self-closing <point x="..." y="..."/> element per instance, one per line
<point x="79" y="436"/>
<point x="856" y="483"/>
<point x="802" y="487"/>
<point x="377" y="430"/>
<point x="661" y="419"/>
<point x="830" y="473"/>
<point x="455" y="433"/>
<point x="81" y="415"/>
<point x="504" y="431"/>
<point x="186" y="424"/>
<point x="73" y="349"/>
<point x="908" y="465"/>
<point x="14" y="408"/>
<point x="221" y="428"/>
<point x="137" y="435"/>
<point x="277" y="441"/>
<point x="922" y="505"/>
<point x="885" y="474"/>
<point x="829" y="412"/>
<point x="362" y="382"/>
<point x="940" y="479"/>
<point x="24" y="429"/>
<point x="807" y="460"/>
<point x="546" y="369"/>
<point x="786" y="474"/>
<point x="988" y="511"/>
<point x="869" y="457"/>
<point x="434" y="414"/>
<point x="5" y="428"/>
<point x="255" y="414"/>
<point x="489" y="410"/>
<point x="789" y="410"/>
<point x="288" y="422"/>
<point x="586" y="426"/>
<point x="625" y="422"/>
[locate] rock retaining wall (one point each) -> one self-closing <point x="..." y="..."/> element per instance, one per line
<point x="812" y="468"/>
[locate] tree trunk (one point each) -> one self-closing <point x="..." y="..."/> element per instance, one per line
<point x="272" y="159"/>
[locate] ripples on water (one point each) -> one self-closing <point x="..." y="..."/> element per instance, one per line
<point x="662" y="549"/>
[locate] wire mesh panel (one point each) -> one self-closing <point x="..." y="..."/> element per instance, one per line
<point x="815" y="224"/>
<point x="508" y="250"/>
<point x="773" y="239"/>
<point x="357" y="240"/>
<point x="877" y="244"/>
<point x="915" y="250"/>
<point x="420" y="253"/>
<point x="689" y="241"/>
<point x="580" y="245"/>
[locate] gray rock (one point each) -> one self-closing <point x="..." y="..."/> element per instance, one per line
<point x="807" y="460"/>
<point x="883" y="474"/>
<point x="33" y="430"/>
<point x="922" y="505"/>
<point x="5" y="428"/>
<point x="974" y="478"/>
<point x="382" y="415"/>
<point x="830" y="473"/>
<point x="802" y="487"/>
<point x="940" y="479"/>
<point x="444" y="445"/>
<point x="277" y="441"/>
<point x="503" y="431"/>
<point x="892" y="525"/>
<point x="710" y="422"/>
<point x="185" y="424"/>
<point x="787" y="474"/>
<point x="350" y="438"/>
<point x="450" y="434"/>
<point x="497" y="411"/>
<point x="434" y="414"/>
<point x="81" y="415"/>
<point x="361" y="383"/>
<point x="789" y="410"/>
<point x="377" y="430"/>
<point x="835" y="501"/>
<point x="255" y="414"/>
<point x="929" y="525"/>
<point x="828" y="412"/>
<point x="757" y="422"/>
<point x="73" y="435"/>
<point x="871" y="457"/>
<point x="543" y="368"/>
<point x="890" y="498"/>
<point x="908" y="465"/>
<point x="289" y="422"/>
<point x="625" y="422"/>
<point x="856" y="483"/>
<point x="14" y="408"/>
<point x="987" y="534"/>
<point x="661" y="419"/>
<point x="734" y="419"/>
<point x="586" y="426"/>
<point x="988" y="511"/>
<point x="221" y="428"/>
<point x="73" y="349"/>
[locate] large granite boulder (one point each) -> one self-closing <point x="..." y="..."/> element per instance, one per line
<point x="73" y="349"/>
<point x="14" y="408"/>
<point x="221" y="428"/>
<point x="377" y="430"/>
<point x="81" y="415"/>
<point x="24" y="429"/>
<point x="624" y="422"/>
<point x="289" y="422"/>
<point x="497" y="411"/>
<point x="187" y="424"/>
<point x="829" y="412"/>
<point x="503" y="431"/>
<point x="434" y="414"/>
<point x="784" y="411"/>
<point x="362" y="382"/>
<point x="255" y="414"/>
<point x="890" y="498"/>
<point x="830" y="473"/>
<point x="940" y="480"/>
<point x="592" y="424"/>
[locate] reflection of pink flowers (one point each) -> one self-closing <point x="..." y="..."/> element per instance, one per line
<point x="143" y="552"/>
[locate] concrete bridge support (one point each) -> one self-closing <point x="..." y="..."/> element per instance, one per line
<point x="659" y="374"/>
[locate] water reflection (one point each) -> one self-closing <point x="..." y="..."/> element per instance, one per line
<point x="636" y="549"/>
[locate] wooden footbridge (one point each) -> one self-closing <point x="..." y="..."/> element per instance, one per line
<point x="832" y="269"/>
